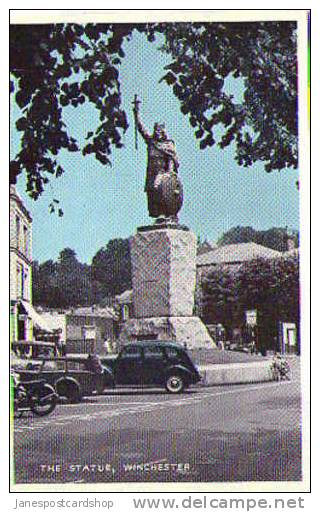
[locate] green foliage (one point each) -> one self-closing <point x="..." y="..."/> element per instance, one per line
<point x="111" y="269"/>
<point x="68" y="282"/>
<point x="274" y="238"/>
<point x="65" y="66"/>
<point x="271" y="286"/>
<point x="263" y="55"/>
<point x="237" y="235"/>
<point x="46" y="61"/>
<point x="219" y="296"/>
<point x="62" y="284"/>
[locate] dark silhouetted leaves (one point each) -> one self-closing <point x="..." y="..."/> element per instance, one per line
<point x="170" y="78"/>
<point x="47" y="60"/>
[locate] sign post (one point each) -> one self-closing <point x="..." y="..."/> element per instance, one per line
<point x="252" y="323"/>
<point x="251" y="317"/>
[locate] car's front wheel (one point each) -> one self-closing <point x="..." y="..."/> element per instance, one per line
<point x="43" y="400"/>
<point x="68" y="389"/>
<point x="175" y="383"/>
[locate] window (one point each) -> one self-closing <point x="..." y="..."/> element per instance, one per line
<point x="131" y="352"/>
<point x="17" y="231"/>
<point x="153" y="352"/>
<point x="125" y="312"/>
<point x="172" y="353"/>
<point x="24" y="281"/>
<point x="89" y="332"/>
<point x="25" y="240"/>
<point x="79" y="366"/>
<point x="20" y="281"/>
<point x="49" y="366"/>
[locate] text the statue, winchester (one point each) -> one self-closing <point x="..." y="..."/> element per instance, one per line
<point x="163" y="187"/>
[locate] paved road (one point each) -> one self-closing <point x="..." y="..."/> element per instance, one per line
<point x="230" y="433"/>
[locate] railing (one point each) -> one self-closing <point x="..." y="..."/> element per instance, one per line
<point x="80" y="346"/>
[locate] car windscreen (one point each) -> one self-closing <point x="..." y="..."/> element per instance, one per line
<point x="131" y="352"/>
<point x="153" y="352"/>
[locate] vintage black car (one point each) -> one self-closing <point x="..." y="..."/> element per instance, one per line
<point x="72" y="376"/>
<point x="151" y="363"/>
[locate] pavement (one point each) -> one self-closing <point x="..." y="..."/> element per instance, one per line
<point x="238" y="433"/>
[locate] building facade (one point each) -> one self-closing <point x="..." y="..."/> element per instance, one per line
<point x="84" y="329"/>
<point x="20" y="268"/>
<point x="91" y="329"/>
<point x="30" y="333"/>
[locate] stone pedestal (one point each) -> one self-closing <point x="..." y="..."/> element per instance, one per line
<point x="189" y="330"/>
<point x="164" y="278"/>
<point x="163" y="272"/>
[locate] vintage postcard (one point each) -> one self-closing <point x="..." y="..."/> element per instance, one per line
<point x="158" y="234"/>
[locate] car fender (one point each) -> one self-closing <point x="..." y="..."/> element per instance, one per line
<point x="179" y="368"/>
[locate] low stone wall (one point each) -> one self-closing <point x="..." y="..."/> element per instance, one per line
<point x="236" y="373"/>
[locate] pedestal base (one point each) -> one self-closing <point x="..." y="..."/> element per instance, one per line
<point x="188" y="330"/>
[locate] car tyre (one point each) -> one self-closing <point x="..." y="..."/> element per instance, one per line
<point x="44" y="400"/>
<point x="69" y="389"/>
<point x="175" y="383"/>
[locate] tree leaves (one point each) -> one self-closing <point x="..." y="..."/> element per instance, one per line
<point x="62" y="284"/>
<point x="60" y="52"/>
<point x="54" y="207"/>
<point x="111" y="266"/>
<point x="264" y="55"/>
<point x="170" y="78"/>
<point x="269" y="285"/>
<point x="62" y="65"/>
<point x="68" y="282"/>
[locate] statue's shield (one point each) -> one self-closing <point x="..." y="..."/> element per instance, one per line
<point x="170" y="193"/>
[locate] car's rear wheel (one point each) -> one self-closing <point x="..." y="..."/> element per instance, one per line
<point x="175" y="383"/>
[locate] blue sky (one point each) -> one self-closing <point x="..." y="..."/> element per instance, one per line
<point x="102" y="202"/>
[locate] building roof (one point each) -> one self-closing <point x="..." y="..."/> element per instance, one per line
<point x="94" y="311"/>
<point x="236" y="253"/>
<point x="206" y="246"/>
<point x="14" y="196"/>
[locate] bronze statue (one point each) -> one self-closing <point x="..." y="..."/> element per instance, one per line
<point x="163" y="187"/>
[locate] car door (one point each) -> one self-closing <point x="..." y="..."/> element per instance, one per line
<point x="128" y="369"/>
<point x="52" y="370"/>
<point x="86" y="379"/>
<point x="153" y="371"/>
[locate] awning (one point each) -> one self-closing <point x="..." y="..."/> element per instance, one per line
<point x="37" y="319"/>
<point x="33" y="343"/>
